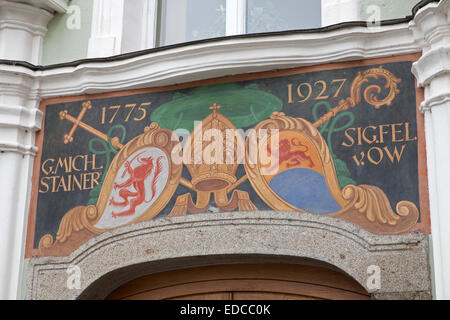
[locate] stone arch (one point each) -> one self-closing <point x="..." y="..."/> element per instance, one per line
<point x="165" y="244"/>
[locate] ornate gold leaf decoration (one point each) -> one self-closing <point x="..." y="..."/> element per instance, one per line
<point x="156" y="137"/>
<point x="281" y="122"/>
<point x="370" y="92"/>
<point x="78" y="219"/>
<point x="365" y="205"/>
<point x="209" y="177"/>
<point x="78" y="224"/>
<point x="239" y="199"/>
<point x="371" y="202"/>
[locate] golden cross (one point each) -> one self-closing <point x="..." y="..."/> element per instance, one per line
<point x="215" y="107"/>
<point x="64" y="115"/>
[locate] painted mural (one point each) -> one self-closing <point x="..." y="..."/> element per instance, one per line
<point x="341" y="142"/>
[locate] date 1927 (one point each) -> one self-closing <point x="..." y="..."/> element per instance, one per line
<point x="319" y="90"/>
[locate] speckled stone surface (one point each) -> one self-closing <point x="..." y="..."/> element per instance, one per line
<point x="120" y="255"/>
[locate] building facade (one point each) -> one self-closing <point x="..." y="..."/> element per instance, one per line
<point x="118" y="171"/>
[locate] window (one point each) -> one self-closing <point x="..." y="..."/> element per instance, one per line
<point x="270" y="15"/>
<point x="189" y="20"/>
<point x="122" y="26"/>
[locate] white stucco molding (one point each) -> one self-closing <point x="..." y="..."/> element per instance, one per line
<point x="20" y="118"/>
<point x="59" y="6"/>
<point x="432" y="25"/>
<point x="438" y="100"/>
<point x="221" y="58"/>
<point x="432" y="71"/>
<point x="22" y="31"/>
<point x="23" y="25"/>
<point x="434" y="63"/>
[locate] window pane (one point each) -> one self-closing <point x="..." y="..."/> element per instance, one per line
<point x="280" y="15"/>
<point x="189" y="20"/>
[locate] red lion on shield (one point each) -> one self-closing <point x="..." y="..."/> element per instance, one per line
<point x="292" y="157"/>
<point x="137" y="180"/>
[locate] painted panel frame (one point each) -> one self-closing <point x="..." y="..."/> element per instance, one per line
<point x="240" y="199"/>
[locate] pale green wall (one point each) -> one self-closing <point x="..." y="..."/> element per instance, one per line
<point x="23" y="285"/>
<point x="62" y="44"/>
<point x="390" y="9"/>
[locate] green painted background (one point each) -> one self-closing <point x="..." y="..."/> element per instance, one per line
<point x="62" y="44"/>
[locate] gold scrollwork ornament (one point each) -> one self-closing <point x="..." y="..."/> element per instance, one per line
<point x="365" y="205"/>
<point x="80" y="223"/>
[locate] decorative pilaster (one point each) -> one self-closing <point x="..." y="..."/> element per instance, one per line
<point x="432" y="25"/>
<point x="23" y="26"/>
<point x="22" y="30"/>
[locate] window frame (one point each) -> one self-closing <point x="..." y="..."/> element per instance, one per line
<point x="108" y="23"/>
<point x="235" y="19"/>
<point x="332" y="12"/>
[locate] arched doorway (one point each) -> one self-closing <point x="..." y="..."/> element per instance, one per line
<point x="244" y="282"/>
<point x="117" y="257"/>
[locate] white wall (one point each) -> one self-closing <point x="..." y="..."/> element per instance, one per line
<point x="432" y="24"/>
<point x="22" y="28"/>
